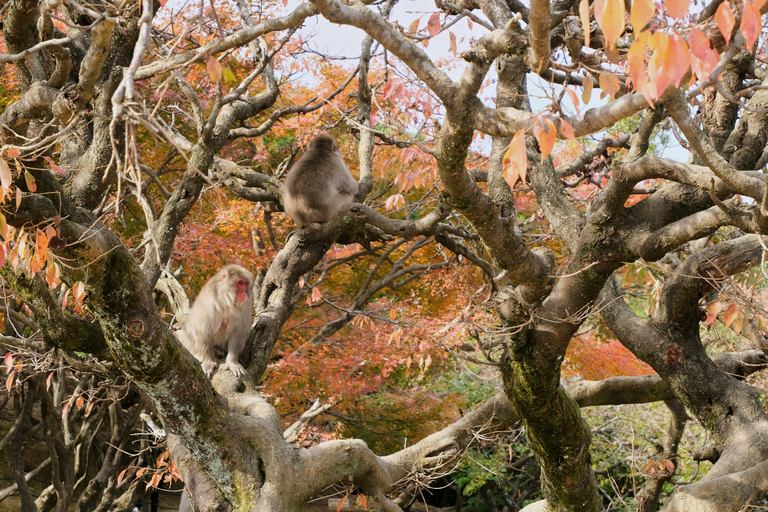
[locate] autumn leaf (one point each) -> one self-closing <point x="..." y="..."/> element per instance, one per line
<point x="433" y="25"/>
<point x="53" y="165"/>
<point x="514" y="165"/>
<point x="31" y="185"/>
<point x="587" y="85"/>
<point x="214" y="69"/>
<point x="394" y="200"/>
<point x="8" y="361"/>
<point x="229" y="76"/>
<point x="678" y="58"/>
<point x="546" y="134"/>
<point x="566" y="129"/>
<point x="316" y="295"/>
<point x="609" y="83"/>
<point x="609" y="14"/>
<point x="5" y="175"/>
<point x="414" y="27"/>
<point x="452" y="37"/>
<point x="730" y="314"/>
<point x="750" y="24"/>
<point x="78" y="291"/>
<point x="52" y="275"/>
<point x="573" y="97"/>
<point x="584" y="16"/>
<point x="48" y="381"/>
<point x="341" y="504"/>
<point x="712" y="311"/>
<point x="393" y="314"/>
<point x="704" y="59"/>
<point x="641" y="13"/>
<point x="636" y="60"/>
<point x="725" y="21"/>
<point x="9" y="382"/>
<point x="677" y="8"/>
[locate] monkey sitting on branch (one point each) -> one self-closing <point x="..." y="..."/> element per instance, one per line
<point x="318" y="184"/>
<point x="220" y="318"/>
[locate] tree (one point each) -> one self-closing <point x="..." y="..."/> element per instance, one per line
<point x="121" y="117"/>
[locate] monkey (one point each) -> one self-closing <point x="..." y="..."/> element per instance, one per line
<point x="318" y="184"/>
<point x="220" y="318"/>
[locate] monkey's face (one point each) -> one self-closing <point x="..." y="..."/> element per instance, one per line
<point x="242" y="290"/>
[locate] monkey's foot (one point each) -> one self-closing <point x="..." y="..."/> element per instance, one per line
<point x="236" y="368"/>
<point x="208" y="368"/>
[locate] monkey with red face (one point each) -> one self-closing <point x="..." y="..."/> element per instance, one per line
<point x="220" y="318"/>
<point x="318" y="184"/>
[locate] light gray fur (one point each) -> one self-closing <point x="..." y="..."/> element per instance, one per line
<point x="216" y="319"/>
<point x="318" y="184"/>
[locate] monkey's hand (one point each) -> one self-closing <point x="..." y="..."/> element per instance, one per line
<point x="236" y="368"/>
<point x="208" y="367"/>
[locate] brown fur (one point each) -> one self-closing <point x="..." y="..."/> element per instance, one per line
<point x="318" y="184"/>
<point x="218" y="320"/>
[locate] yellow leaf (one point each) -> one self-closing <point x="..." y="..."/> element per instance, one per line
<point x="414" y="26"/>
<point x="587" y="84"/>
<point x="229" y="76"/>
<point x="609" y="14"/>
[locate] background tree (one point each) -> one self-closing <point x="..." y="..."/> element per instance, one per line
<point x="138" y="138"/>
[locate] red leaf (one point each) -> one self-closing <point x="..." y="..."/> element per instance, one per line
<point x="725" y="21"/>
<point x="8" y="361"/>
<point x="53" y="165"/>
<point x="48" y="381"/>
<point x="609" y="14"/>
<point x="514" y="165"/>
<point x="677" y="8"/>
<point x="433" y="26"/>
<point x="670" y="466"/>
<point x="121" y="476"/>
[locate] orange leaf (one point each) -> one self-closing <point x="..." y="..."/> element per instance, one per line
<point x="546" y="134"/>
<point x="574" y="98"/>
<point x="670" y="466"/>
<point x="214" y="69"/>
<point x="89" y="409"/>
<point x="78" y="291"/>
<point x="514" y="165"/>
<point x="609" y="14"/>
<point x="641" y="13"/>
<point x="64" y="411"/>
<point x="678" y="58"/>
<point x="712" y="311"/>
<point x="79" y="402"/>
<point x="316" y="295"/>
<point x="19" y="197"/>
<point x="414" y="27"/>
<point x="13" y="152"/>
<point x="364" y="501"/>
<point x="567" y="130"/>
<point x="433" y="25"/>
<point x="341" y="503"/>
<point x="750" y="24"/>
<point x="587" y="84"/>
<point x="452" y="37"/>
<point x="393" y="314"/>
<point x="609" y="83"/>
<point x="704" y="59"/>
<point x="48" y="381"/>
<point x="9" y="382"/>
<point x="725" y="21"/>
<point x="636" y="59"/>
<point x="730" y="314"/>
<point x="584" y="16"/>
<point x="121" y="476"/>
<point x="677" y="8"/>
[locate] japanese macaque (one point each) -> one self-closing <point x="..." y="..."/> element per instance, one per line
<point x="220" y="318"/>
<point x="318" y="184"/>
